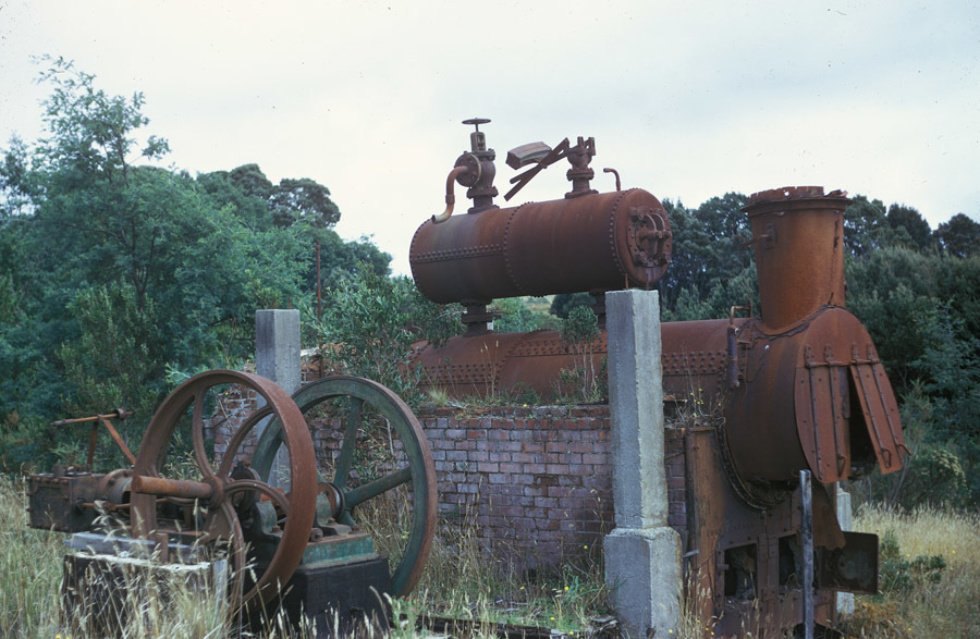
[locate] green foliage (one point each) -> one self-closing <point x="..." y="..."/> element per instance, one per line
<point x="113" y="272"/>
<point x="910" y="227"/>
<point x="563" y="304"/>
<point x="513" y="315"/>
<point x="707" y="248"/>
<point x="899" y="573"/>
<point x="372" y="321"/>
<point x="960" y="236"/>
<point x="865" y="225"/>
<point x="580" y="334"/>
<point x="109" y="363"/>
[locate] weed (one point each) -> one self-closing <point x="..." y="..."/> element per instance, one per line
<point x="930" y="575"/>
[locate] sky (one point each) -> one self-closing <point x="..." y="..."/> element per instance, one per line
<point x="688" y="100"/>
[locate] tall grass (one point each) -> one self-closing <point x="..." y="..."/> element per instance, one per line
<point x="30" y="570"/>
<point x="461" y="581"/>
<point x="944" y="603"/>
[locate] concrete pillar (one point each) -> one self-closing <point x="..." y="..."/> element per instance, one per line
<point x="845" y="600"/>
<point x="642" y="554"/>
<point x="277" y="357"/>
<point x="277" y="347"/>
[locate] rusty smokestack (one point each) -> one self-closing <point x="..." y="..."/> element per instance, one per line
<point x="798" y="233"/>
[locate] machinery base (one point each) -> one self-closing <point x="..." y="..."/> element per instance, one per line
<point x="335" y="599"/>
<point x="101" y="594"/>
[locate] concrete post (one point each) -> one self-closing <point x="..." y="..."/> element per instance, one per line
<point x="277" y="357"/>
<point x="642" y="554"/>
<point x="277" y="347"/>
<point x="845" y="600"/>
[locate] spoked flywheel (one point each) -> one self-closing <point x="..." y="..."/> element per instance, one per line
<point x="212" y="499"/>
<point x="375" y="468"/>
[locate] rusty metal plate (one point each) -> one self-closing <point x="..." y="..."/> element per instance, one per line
<point x="821" y="395"/>
<point x="853" y="568"/>
<point x="62" y="500"/>
<point x="877" y="402"/>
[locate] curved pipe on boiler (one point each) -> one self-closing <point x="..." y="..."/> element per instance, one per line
<point x="450" y="195"/>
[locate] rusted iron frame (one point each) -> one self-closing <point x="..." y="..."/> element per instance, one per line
<point x="120" y="413"/>
<point x="222" y="521"/>
<point x="888" y="419"/>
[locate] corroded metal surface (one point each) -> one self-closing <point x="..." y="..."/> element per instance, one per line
<point x="219" y="486"/>
<point x="594" y="242"/>
<point x="800" y="387"/>
<point x="362" y="396"/>
<point x="798" y="237"/>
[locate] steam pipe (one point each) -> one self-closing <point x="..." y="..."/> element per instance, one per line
<point x="450" y="195"/>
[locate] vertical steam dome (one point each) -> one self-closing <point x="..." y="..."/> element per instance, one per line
<point x="596" y="242"/>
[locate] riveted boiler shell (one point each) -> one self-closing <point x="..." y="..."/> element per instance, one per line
<point x="599" y="242"/>
<point x="816" y="397"/>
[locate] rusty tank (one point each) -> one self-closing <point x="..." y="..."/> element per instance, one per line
<point x="586" y="241"/>
<point x="798" y="387"/>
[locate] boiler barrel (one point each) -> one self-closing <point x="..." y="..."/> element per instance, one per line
<point x="597" y="242"/>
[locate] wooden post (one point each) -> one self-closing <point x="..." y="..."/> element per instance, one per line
<point x="806" y="534"/>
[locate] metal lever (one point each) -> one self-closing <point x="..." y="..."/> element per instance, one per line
<point x="119" y="413"/>
<point x="526" y="154"/>
<point x="546" y="160"/>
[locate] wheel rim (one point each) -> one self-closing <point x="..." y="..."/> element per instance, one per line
<point x="419" y="473"/>
<point x="222" y="521"/>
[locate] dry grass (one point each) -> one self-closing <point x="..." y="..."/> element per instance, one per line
<point x="949" y="607"/>
<point x="461" y="581"/>
<point x="30" y="570"/>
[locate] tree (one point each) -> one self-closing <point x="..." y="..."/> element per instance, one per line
<point x="960" y="236"/>
<point x="906" y="219"/>
<point x="707" y="252"/>
<point x="374" y="320"/>
<point x="563" y="303"/>
<point x="91" y="131"/>
<point x="241" y="189"/>
<point x="88" y="223"/>
<point x="864" y="223"/>
<point x="303" y="199"/>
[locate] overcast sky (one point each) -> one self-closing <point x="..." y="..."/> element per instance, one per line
<point x="688" y="100"/>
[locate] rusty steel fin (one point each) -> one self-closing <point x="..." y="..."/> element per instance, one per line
<point x="880" y="411"/>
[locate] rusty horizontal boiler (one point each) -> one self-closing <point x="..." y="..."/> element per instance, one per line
<point x="597" y="242"/>
<point x="588" y="241"/>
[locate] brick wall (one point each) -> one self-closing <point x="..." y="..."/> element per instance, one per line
<point x="233" y="408"/>
<point x="534" y="482"/>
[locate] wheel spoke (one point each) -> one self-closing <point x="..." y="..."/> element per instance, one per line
<point x="197" y="433"/>
<point x="346" y="457"/>
<point x="374" y="488"/>
<point x="228" y="459"/>
<point x="222" y="524"/>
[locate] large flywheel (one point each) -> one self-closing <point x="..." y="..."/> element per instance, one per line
<point x="218" y="494"/>
<point x="375" y="468"/>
